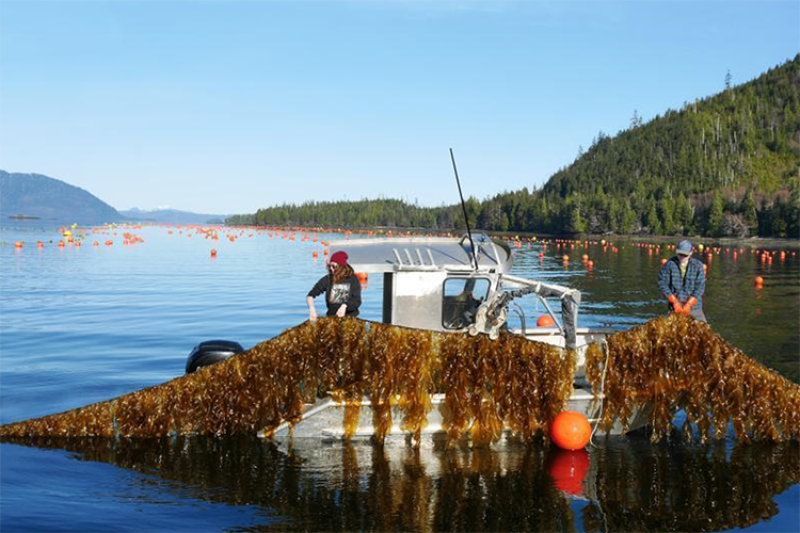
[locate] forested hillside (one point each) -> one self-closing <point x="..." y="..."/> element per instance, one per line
<point x="726" y="165"/>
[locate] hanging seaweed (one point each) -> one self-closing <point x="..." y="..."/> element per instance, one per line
<point x="675" y="362"/>
<point x="275" y="381"/>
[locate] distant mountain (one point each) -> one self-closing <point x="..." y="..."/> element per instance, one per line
<point x="172" y="216"/>
<point x="33" y="196"/>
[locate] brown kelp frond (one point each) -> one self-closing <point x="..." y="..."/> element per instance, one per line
<point x="675" y="362"/>
<point x="513" y="381"/>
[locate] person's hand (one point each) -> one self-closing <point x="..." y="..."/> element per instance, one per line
<point x="677" y="308"/>
<point x="687" y="307"/>
<point x="312" y="315"/>
<point x="341" y="311"/>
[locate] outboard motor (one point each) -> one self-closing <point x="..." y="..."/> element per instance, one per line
<point x="210" y="352"/>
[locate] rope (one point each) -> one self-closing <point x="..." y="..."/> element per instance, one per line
<point x="604" y="344"/>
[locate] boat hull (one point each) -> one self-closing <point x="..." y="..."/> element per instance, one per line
<point x="324" y="419"/>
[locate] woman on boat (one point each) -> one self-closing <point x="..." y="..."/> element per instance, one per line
<point x="341" y="287"/>
<point x="683" y="282"/>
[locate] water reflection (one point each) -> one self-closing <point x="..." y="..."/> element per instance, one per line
<point x="622" y="485"/>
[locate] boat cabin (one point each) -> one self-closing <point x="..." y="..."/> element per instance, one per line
<point x="438" y="284"/>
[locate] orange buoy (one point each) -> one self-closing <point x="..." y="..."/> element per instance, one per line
<point x="18" y="244"/>
<point x="590" y="264"/>
<point x="759" y="281"/>
<point x="545" y="321"/>
<point x="362" y="276"/>
<point x="61" y="244"/>
<point x="570" y="430"/>
<point x="315" y="254"/>
<point x="663" y="261"/>
<point x="95" y="243"/>
<point x="40" y="244"/>
<point x="565" y="258"/>
<point x="568" y="470"/>
<point x="213" y="252"/>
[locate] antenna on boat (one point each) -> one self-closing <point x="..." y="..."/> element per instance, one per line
<point x="464" y="209"/>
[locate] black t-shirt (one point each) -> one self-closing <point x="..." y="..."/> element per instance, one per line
<point x="347" y="291"/>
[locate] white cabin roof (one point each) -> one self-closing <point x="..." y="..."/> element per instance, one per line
<point x="389" y="254"/>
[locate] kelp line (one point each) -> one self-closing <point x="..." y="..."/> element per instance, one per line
<point x="668" y="363"/>
<point x="488" y="384"/>
<point x="676" y="362"/>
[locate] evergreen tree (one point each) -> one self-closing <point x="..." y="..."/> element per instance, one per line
<point x="715" y="215"/>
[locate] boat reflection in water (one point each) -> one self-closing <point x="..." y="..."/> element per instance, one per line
<point x="623" y="484"/>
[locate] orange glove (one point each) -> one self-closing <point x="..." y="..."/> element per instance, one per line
<point x="687" y="307"/>
<point x="676" y="305"/>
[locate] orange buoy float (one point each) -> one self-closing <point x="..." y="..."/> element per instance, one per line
<point x="570" y="430"/>
<point x="95" y="243"/>
<point x="61" y="244"/>
<point x="590" y="264"/>
<point x="315" y="254"/>
<point x="213" y="252"/>
<point x="759" y="281"/>
<point x="565" y="258"/>
<point x="363" y="277"/>
<point x="40" y="244"/>
<point x="545" y="321"/>
<point x="663" y="261"/>
<point x="18" y="245"/>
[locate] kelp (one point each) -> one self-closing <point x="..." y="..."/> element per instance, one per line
<point x="676" y="362"/>
<point x="511" y="382"/>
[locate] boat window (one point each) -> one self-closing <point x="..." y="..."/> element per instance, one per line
<point x="462" y="297"/>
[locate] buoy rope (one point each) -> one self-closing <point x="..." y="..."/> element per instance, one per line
<point x="604" y="345"/>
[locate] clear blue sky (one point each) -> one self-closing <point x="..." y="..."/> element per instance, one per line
<point x="224" y="107"/>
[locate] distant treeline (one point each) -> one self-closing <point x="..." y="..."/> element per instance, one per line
<point x="726" y="165"/>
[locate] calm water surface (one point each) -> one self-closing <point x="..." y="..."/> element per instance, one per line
<point x="80" y="325"/>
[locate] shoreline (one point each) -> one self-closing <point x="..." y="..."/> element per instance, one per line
<point x="752" y="242"/>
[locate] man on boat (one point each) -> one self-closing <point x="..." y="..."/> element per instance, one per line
<point x="682" y="281"/>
